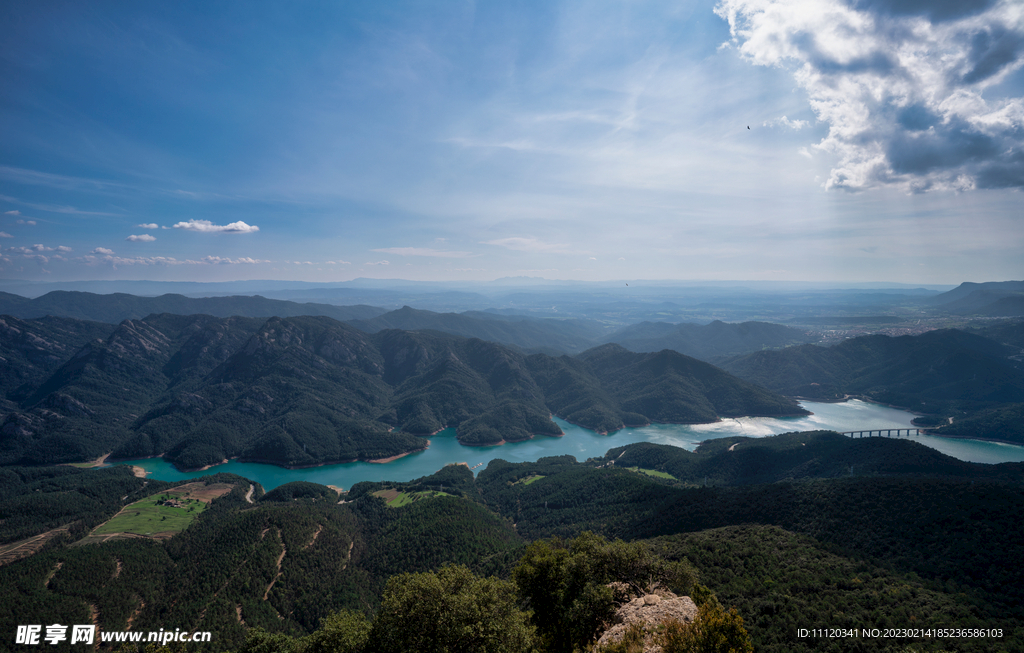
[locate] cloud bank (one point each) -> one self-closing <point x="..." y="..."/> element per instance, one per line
<point x="423" y="251"/>
<point x="102" y="255"/>
<point x="144" y="238"/>
<point x="900" y="84"/>
<point x="205" y="226"/>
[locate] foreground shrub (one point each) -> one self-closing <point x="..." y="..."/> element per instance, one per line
<point x="713" y="631"/>
<point x="450" y="611"/>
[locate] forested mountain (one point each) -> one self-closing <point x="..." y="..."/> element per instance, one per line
<point x="1008" y="332"/>
<point x="798" y="456"/>
<point x="309" y="390"/>
<point x="708" y="341"/>
<point x="1003" y="307"/>
<point x="943" y="370"/>
<point x="31" y="350"/>
<point x="282" y="565"/>
<point x="1004" y="422"/>
<point x="37" y="499"/>
<point x="785" y="534"/>
<point x="116" y="307"/>
<point x="607" y="387"/>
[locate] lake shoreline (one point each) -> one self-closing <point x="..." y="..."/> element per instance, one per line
<point x="924" y="430"/>
<point x="108" y="461"/>
<point x="950" y="436"/>
<point x="583" y="443"/>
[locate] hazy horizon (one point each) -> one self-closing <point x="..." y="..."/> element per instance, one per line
<point x="829" y="140"/>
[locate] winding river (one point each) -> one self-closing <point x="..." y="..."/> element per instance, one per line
<point x="853" y="415"/>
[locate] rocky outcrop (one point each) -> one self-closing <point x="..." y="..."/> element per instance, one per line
<point x="649" y="610"/>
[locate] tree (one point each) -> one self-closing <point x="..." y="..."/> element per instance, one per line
<point x="258" y="640"/>
<point x="568" y="584"/>
<point x="450" y="611"/>
<point x="713" y="631"/>
<point x="341" y="632"/>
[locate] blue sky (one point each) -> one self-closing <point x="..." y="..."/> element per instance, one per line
<point x="461" y="140"/>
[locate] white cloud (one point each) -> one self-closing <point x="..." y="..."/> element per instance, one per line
<point x="63" y="248"/>
<point x="339" y="262"/>
<point x="151" y="225"/>
<point x="217" y="260"/>
<point x="34" y="248"/>
<point x="12" y="212"/>
<point x="30" y="222"/>
<point x="901" y="85"/>
<point x="378" y="263"/>
<point x="528" y="244"/>
<point x="144" y="238"/>
<point x="786" y="122"/>
<point x="205" y="226"/>
<point x="107" y="257"/>
<point x="4" y="234"/>
<point x="102" y="255"/>
<point x="422" y="251"/>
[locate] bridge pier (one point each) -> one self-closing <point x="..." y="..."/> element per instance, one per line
<point x="887" y="433"/>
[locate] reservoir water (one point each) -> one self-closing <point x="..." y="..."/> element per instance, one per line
<point x="583" y="443"/>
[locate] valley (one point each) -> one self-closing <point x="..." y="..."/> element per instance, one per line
<point x="405" y="442"/>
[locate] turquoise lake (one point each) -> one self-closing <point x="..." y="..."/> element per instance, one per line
<point x="584" y="443"/>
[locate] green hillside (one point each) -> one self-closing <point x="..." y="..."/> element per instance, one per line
<point x="311" y="390"/>
<point x="908" y="539"/>
<point x="1005" y="423"/>
<point x="944" y="370"/>
<point x="608" y="387"/>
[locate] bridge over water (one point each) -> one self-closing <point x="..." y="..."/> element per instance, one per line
<point x="882" y="433"/>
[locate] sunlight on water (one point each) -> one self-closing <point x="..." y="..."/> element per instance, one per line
<point x="582" y="443"/>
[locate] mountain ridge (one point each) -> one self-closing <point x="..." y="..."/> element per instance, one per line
<point x="309" y="390"/>
<point x="117" y="307"/>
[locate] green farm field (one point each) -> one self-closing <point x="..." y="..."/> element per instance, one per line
<point x="529" y="479"/>
<point x="652" y="472"/>
<point x="398" y="499"/>
<point x="147" y="516"/>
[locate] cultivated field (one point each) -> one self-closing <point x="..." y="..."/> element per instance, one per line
<point x="161" y="515"/>
<point x="529" y="479"/>
<point x="652" y="472"/>
<point x="398" y="499"/>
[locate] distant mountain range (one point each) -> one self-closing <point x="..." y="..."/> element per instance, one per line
<point x="119" y="306"/>
<point x="526" y="333"/>
<point x="991" y="299"/>
<point x="709" y="341"/>
<point x="308" y="390"/>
